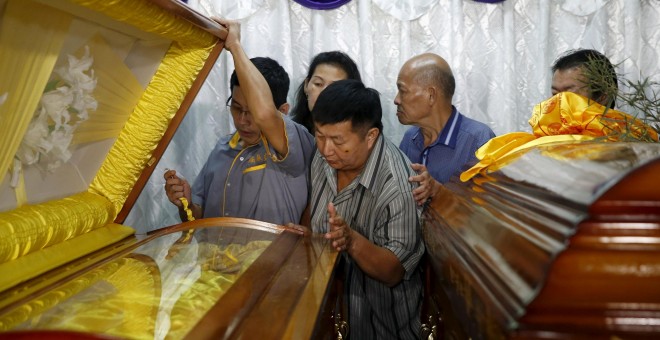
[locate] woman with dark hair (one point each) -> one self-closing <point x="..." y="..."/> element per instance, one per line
<point x="325" y="69"/>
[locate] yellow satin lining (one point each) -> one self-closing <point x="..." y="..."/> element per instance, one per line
<point x="219" y="272"/>
<point x="151" y="18"/>
<point x="34" y="227"/>
<point x="565" y="117"/>
<point x="36" y="263"/>
<point x="55" y="297"/>
<point x="117" y="92"/>
<point x="31" y="36"/>
<point x="21" y="193"/>
<point x="122" y="299"/>
<point x="146" y="125"/>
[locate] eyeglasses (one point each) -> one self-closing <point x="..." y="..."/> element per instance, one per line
<point x="238" y="111"/>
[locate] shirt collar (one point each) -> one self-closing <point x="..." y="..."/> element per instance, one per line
<point x="449" y="134"/>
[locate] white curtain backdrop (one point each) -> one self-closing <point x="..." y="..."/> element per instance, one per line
<point x="500" y="55"/>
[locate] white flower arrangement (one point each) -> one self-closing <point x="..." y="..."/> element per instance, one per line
<point x="64" y="104"/>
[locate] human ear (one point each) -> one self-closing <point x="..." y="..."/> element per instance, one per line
<point x="433" y="95"/>
<point x="372" y="135"/>
<point x="284" y="108"/>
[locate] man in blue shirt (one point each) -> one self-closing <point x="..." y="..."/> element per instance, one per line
<point x="442" y="141"/>
<point x="260" y="171"/>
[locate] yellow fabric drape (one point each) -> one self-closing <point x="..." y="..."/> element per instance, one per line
<point x="117" y="92"/>
<point x="123" y="297"/>
<point x="34" y="227"/>
<point x="565" y="117"/>
<point x="35" y="263"/>
<point x="146" y="125"/>
<point x="567" y="113"/>
<point x="31" y="228"/>
<point x="125" y="305"/>
<point x="220" y="269"/>
<point x="31" y="36"/>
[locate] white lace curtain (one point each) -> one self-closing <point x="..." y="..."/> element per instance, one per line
<point x="500" y="54"/>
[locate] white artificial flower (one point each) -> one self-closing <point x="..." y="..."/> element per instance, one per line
<point x="60" y="111"/>
<point x="35" y="140"/>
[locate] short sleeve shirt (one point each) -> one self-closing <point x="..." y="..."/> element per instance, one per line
<point x="379" y="205"/>
<point x="250" y="182"/>
<point x="453" y="151"/>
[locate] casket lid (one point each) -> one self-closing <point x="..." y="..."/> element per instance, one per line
<point x="563" y="239"/>
<point x="92" y="91"/>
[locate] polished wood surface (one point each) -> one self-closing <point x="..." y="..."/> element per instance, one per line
<point x="510" y="259"/>
<point x="287" y="292"/>
<point x="279" y="296"/>
<point x="183" y="10"/>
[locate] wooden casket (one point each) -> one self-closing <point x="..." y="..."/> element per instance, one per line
<point x="91" y="93"/>
<point x="561" y="242"/>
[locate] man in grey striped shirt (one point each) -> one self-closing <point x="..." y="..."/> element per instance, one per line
<point x="362" y="200"/>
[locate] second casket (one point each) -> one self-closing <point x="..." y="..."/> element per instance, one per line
<point x="559" y="241"/>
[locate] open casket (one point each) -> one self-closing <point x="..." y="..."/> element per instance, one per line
<point x="206" y="279"/>
<point x="560" y="241"/>
<point x="91" y="92"/>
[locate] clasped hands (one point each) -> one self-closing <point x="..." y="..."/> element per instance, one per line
<point x="340" y="233"/>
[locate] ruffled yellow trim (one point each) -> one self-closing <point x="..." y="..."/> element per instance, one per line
<point x="147" y="124"/>
<point x="34" y="227"/>
<point x="126" y="308"/>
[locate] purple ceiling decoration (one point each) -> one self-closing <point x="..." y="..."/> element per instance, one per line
<point x="322" y="4"/>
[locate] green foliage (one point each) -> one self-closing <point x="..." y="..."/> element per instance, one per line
<point x="639" y="98"/>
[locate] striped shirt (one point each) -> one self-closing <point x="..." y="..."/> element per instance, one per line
<point x="379" y="205"/>
<point x="453" y="150"/>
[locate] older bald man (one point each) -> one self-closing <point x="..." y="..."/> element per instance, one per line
<point x="441" y="141"/>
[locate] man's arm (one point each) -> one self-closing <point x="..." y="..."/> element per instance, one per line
<point x="377" y="262"/>
<point x="256" y="91"/>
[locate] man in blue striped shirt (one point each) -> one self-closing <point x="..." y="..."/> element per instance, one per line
<point x="362" y="201"/>
<point x="442" y="141"/>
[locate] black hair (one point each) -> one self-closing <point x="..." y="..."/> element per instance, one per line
<point x="300" y="112"/>
<point x="275" y="75"/>
<point x="349" y="100"/>
<point x="582" y="58"/>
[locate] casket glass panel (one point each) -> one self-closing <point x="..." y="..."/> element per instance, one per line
<point x="160" y="289"/>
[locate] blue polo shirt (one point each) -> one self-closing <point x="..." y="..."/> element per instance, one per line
<point x="452" y="151"/>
